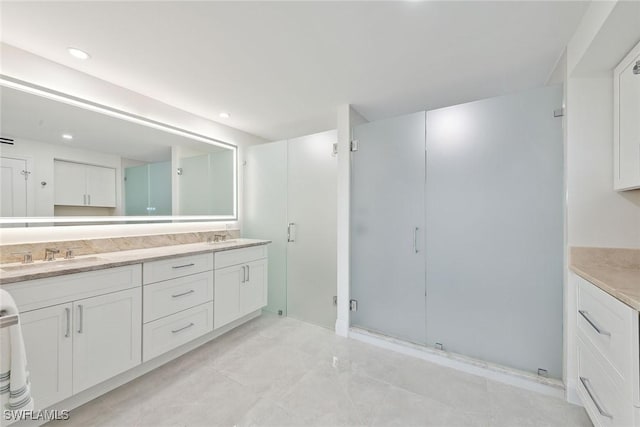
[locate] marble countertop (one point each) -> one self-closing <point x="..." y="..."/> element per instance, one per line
<point x="615" y="271"/>
<point x="16" y="272"/>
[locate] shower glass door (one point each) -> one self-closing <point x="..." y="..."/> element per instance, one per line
<point x="265" y="213"/>
<point x="312" y="215"/>
<point x="387" y="227"/>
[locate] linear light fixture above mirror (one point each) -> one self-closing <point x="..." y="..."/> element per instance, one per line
<point x="33" y="89"/>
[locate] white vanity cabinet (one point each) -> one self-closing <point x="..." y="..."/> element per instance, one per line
<point x="240" y="283"/>
<point x="79" y="329"/>
<point x="79" y="184"/>
<point x="106" y="337"/>
<point x="608" y="357"/>
<point x="48" y="341"/>
<point x="626" y="150"/>
<point x="178" y="302"/>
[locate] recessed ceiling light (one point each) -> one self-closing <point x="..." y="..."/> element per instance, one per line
<point x="225" y="115"/>
<point x="77" y="53"/>
<point x="67" y="136"/>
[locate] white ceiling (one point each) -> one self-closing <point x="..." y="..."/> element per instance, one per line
<point x="31" y="117"/>
<point x="282" y="68"/>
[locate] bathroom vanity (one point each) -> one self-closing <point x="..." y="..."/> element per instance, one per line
<point x="607" y="356"/>
<point x="92" y="323"/>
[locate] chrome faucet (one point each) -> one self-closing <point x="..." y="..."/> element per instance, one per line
<point x="26" y="256"/>
<point x="50" y="254"/>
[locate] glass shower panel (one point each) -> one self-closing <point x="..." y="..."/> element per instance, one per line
<point x="265" y="212"/>
<point x="136" y="190"/>
<point x="195" y="174"/>
<point x="494" y="222"/>
<point x="311" y="251"/>
<point x="160" y="188"/>
<point x="387" y="227"/>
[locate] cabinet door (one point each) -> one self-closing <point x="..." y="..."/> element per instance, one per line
<point x="107" y="337"/>
<point x="628" y="123"/>
<point x="253" y="291"/>
<point x="227" y="295"/>
<point x="48" y="338"/>
<point x="69" y="183"/>
<point x="101" y="186"/>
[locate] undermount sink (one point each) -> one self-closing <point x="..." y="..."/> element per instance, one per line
<point x="222" y="241"/>
<point x="51" y="265"/>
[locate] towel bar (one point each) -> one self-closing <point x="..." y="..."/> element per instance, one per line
<point x="8" y="320"/>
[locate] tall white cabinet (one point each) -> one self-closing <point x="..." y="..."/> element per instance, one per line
<point x="626" y="108"/>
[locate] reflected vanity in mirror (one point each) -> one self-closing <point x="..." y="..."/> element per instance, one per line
<point x="66" y="160"/>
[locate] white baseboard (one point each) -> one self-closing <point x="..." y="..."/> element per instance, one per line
<point x="514" y="377"/>
<point x="115" y="382"/>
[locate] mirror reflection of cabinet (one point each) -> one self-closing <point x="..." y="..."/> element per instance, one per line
<point x="626" y="79"/>
<point x="79" y="184"/>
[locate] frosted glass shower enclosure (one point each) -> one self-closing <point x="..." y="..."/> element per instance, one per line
<point x="457" y="229"/>
<point x="290" y="199"/>
<point x="147" y="189"/>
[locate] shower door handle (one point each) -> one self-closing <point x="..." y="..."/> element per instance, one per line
<point x="415" y="239"/>
<point x="291" y="232"/>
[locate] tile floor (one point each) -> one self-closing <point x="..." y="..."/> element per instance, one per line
<point x="281" y="372"/>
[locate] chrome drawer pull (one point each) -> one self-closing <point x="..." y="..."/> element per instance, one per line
<point x="183" y="328"/>
<point x="80" y="318"/>
<point x="183" y="266"/>
<point x="67" y="334"/>
<point x="586" y="383"/>
<point x="190" y="291"/>
<point x="585" y="314"/>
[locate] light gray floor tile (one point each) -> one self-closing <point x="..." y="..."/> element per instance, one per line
<point x="277" y="371"/>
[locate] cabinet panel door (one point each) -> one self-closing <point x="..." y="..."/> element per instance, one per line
<point x="253" y="291"/>
<point x="69" y="183"/>
<point x="107" y="337"/>
<point x="48" y="338"/>
<point x="629" y="126"/>
<point x="101" y="186"/>
<point x="227" y="295"/>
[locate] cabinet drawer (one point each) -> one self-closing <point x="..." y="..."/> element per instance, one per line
<point x="606" y="324"/>
<point x="239" y="256"/>
<point x="34" y="294"/>
<point x="171" y="296"/>
<point x="606" y="404"/>
<point x="156" y="271"/>
<point x="172" y="331"/>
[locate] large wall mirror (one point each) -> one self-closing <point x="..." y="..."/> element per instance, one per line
<point x="69" y="161"/>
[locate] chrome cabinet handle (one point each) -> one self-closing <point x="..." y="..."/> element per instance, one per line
<point x="80" y="318"/>
<point x="175" y="331"/>
<point x="586" y="316"/>
<point x="291" y="232"/>
<point x="244" y="274"/>
<point x="183" y="266"/>
<point x="190" y="291"/>
<point x="415" y="239"/>
<point x="248" y="273"/>
<point x="67" y="311"/>
<point x="587" y="386"/>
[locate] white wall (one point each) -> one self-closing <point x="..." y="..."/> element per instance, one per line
<point x="596" y="215"/>
<point x="42" y="155"/>
<point x="25" y="66"/>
